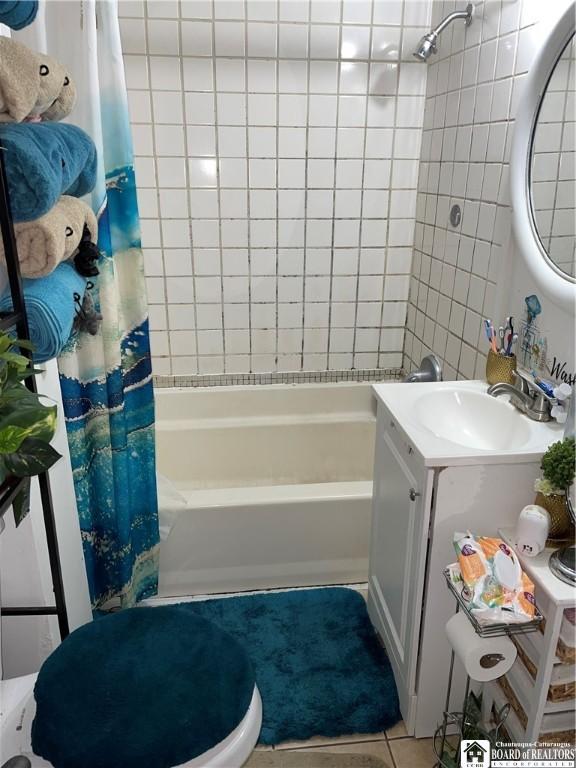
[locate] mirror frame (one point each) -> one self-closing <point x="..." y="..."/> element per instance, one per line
<point x="557" y="285"/>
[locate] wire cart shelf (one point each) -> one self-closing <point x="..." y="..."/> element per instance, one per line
<point x="462" y="721"/>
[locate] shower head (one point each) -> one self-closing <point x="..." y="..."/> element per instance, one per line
<point x="427" y="45"/>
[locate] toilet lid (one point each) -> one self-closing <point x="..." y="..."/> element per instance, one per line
<point x="146" y="686"/>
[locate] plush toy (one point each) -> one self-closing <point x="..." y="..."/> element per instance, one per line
<point x="87" y="318"/>
<point x="88" y="254"/>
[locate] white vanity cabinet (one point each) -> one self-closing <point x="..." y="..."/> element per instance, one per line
<point x="425" y="489"/>
<point x="402" y="498"/>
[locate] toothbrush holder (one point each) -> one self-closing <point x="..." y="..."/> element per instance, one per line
<point x="500" y="368"/>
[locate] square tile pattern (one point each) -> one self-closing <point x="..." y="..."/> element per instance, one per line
<point x="277" y="147"/>
<point x="473" y="88"/>
<point x="394" y="747"/>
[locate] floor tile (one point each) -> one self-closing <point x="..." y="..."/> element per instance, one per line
<point x="377" y="748"/>
<point x="413" y="753"/>
<point x="397" y="731"/>
<point x="323" y="741"/>
<point x="323" y="757"/>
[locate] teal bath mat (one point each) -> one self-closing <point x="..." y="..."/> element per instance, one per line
<point x="319" y="666"/>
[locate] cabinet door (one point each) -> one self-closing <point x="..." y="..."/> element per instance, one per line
<point x="400" y="518"/>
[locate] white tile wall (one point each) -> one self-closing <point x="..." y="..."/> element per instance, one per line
<point x="277" y="148"/>
<point x="474" y="84"/>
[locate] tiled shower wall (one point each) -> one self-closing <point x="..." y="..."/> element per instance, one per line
<point x="473" y="89"/>
<point x="277" y="148"/>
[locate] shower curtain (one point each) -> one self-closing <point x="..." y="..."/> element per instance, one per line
<point x="106" y="379"/>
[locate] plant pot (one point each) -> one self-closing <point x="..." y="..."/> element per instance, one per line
<point x="561" y="527"/>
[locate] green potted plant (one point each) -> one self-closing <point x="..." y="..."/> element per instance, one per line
<point x="26" y="427"/>
<point x="558" y="471"/>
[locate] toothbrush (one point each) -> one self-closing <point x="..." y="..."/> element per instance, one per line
<point x="493" y="340"/>
<point x="512" y="339"/>
<point x="501" y="336"/>
<point x="490" y="335"/>
<point x="488" y="331"/>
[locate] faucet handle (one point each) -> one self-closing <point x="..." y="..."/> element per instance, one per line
<point x="525" y="381"/>
<point x="522" y="382"/>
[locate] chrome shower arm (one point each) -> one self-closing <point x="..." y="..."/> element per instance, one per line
<point x="466" y="15"/>
<point x="427" y="44"/>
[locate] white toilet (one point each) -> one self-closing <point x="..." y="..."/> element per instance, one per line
<point x="18" y="709"/>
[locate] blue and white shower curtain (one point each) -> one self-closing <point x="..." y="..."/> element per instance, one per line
<point x="106" y="379"/>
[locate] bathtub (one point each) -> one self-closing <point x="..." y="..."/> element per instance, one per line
<point x="276" y="483"/>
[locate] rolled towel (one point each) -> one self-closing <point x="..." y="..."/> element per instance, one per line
<point x="51" y="309"/>
<point x="44" y="161"/>
<point x="32" y="85"/>
<point x="45" y="242"/>
<point x="56" y="90"/>
<point x="19" y="80"/>
<point x="64" y="102"/>
<point x="17" y="14"/>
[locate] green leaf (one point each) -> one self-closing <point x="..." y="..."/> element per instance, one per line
<point x="33" y="457"/>
<point x="5" y="341"/>
<point x="11" y="438"/>
<point x="21" y="503"/>
<point x="24" y="344"/>
<point x="15" y="359"/>
<point x="37" y="421"/>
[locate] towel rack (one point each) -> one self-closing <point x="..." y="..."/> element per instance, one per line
<point x="18" y="319"/>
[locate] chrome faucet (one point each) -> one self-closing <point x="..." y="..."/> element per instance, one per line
<point x="430" y="370"/>
<point x="526" y="397"/>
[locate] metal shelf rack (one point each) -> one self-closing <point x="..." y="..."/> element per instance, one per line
<point x="460" y="719"/>
<point x="18" y="320"/>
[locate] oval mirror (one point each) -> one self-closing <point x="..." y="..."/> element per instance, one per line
<point x="552" y="166"/>
<point x="542" y="171"/>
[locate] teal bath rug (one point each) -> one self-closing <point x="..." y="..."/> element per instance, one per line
<point x="319" y="666"/>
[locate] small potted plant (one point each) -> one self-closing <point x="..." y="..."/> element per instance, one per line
<point x="26" y="427"/>
<point x="558" y="471"/>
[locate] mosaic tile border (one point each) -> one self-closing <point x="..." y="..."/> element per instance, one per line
<point x="291" y="377"/>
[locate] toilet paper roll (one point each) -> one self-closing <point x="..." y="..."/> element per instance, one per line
<point x="484" y="658"/>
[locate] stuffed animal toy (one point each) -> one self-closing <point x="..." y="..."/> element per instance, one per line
<point x="87" y="318"/>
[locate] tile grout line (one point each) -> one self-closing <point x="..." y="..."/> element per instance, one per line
<point x="188" y="199"/>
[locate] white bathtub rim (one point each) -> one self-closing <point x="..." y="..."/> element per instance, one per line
<point x="277" y="494"/>
<point x="239" y="422"/>
<point x="257" y="496"/>
<point x="270" y="400"/>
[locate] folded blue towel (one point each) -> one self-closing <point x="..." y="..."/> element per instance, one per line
<point x="50" y="308"/>
<point x="44" y="161"/>
<point x="17" y="14"/>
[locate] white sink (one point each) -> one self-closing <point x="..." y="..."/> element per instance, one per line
<point x="473" y="419"/>
<point x="457" y="422"/>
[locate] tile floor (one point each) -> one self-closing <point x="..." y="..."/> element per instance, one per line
<point x="395" y="747"/>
